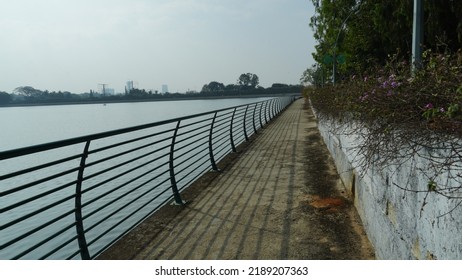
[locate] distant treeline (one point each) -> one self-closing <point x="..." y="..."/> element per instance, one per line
<point x="31" y="96"/>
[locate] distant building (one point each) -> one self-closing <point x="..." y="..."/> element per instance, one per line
<point x="129" y="86"/>
<point x="104" y="90"/>
<point x="164" y="89"/>
<point x="108" y="91"/>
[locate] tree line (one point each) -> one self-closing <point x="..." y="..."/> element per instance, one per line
<point x="247" y="84"/>
<point x="364" y="33"/>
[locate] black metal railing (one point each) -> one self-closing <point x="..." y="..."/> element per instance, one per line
<point x="72" y="199"/>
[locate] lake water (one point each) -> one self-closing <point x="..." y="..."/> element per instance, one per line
<point x="25" y="126"/>
<point x="32" y="125"/>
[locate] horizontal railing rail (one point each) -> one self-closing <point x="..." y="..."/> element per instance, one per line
<point x="74" y="198"/>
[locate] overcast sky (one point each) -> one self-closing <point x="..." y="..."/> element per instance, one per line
<point x="74" y="45"/>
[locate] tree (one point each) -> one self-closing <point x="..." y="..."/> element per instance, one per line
<point x="135" y="92"/>
<point x="231" y="87"/>
<point x="213" y="87"/>
<point x="366" y="32"/>
<point x="279" y="85"/>
<point x="28" y="91"/>
<point x="248" y="80"/>
<point x="5" y="98"/>
<point x="312" y="76"/>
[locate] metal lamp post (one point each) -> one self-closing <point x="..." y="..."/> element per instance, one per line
<point x="417" y="35"/>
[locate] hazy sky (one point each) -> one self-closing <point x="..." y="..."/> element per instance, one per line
<point x="74" y="45"/>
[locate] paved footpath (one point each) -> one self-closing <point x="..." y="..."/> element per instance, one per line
<point x="279" y="198"/>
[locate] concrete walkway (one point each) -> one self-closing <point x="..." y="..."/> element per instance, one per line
<point x="279" y="198"/>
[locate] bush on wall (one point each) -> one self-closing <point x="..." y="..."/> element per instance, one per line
<point x="402" y="114"/>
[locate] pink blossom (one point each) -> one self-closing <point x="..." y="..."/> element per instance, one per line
<point x="364" y="97"/>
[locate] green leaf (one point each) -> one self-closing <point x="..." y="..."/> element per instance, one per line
<point x="432" y="186"/>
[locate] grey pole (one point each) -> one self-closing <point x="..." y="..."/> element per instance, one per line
<point x="417" y="35"/>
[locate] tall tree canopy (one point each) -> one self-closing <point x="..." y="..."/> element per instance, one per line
<point x="248" y="80"/>
<point x="213" y="87"/>
<point x="366" y="32"/>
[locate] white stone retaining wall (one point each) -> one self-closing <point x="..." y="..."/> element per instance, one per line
<point x="397" y="225"/>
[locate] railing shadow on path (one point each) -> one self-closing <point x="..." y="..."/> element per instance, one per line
<point x="278" y="198"/>
<point x="73" y="199"/>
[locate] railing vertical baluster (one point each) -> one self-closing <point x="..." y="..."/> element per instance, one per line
<point x="270" y="110"/>
<point x="273" y="107"/>
<point x="266" y="110"/>
<point x="259" y="114"/>
<point x="253" y="119"/>
<point x="276" y="106"/>
<point x="243" y="123"/>
<point x="84" y="253"/>
<point x="275" y="111"/>
<point x="278" y="101"/>
<point x="212" y="158"/>
<point x="176" y="193"/>
<point x="233" y="147"/>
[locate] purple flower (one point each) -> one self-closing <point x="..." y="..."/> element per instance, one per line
<point x="429" y="106"/>
<point x="364" y="97"/>
<point x="442" y="110"/>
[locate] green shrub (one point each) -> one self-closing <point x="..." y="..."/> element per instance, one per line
<point x="430" y="98"/>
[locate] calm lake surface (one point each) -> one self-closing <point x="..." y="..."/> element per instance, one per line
<point x="33" y="125"/>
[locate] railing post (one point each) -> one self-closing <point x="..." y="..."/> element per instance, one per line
<point x="275" y="111"/>
<point x="278" y="106"/>
<point x="243" y="123"/>
<point x="266" y="111"/>
<point x="270" y="109"/>
<point x="253" y="119"/>
<point x="176" y="193"/>
<point x="212" y="158"/>
<point x="233" y="147"/>
<point x="261" y="108"/>
<point x="84" y="253"/>
<point x="274" y="108"/>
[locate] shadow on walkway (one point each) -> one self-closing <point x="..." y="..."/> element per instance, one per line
<point x="278" y="198"/>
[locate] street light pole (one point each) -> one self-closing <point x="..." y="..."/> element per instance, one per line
<point x="417" y="35"/>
